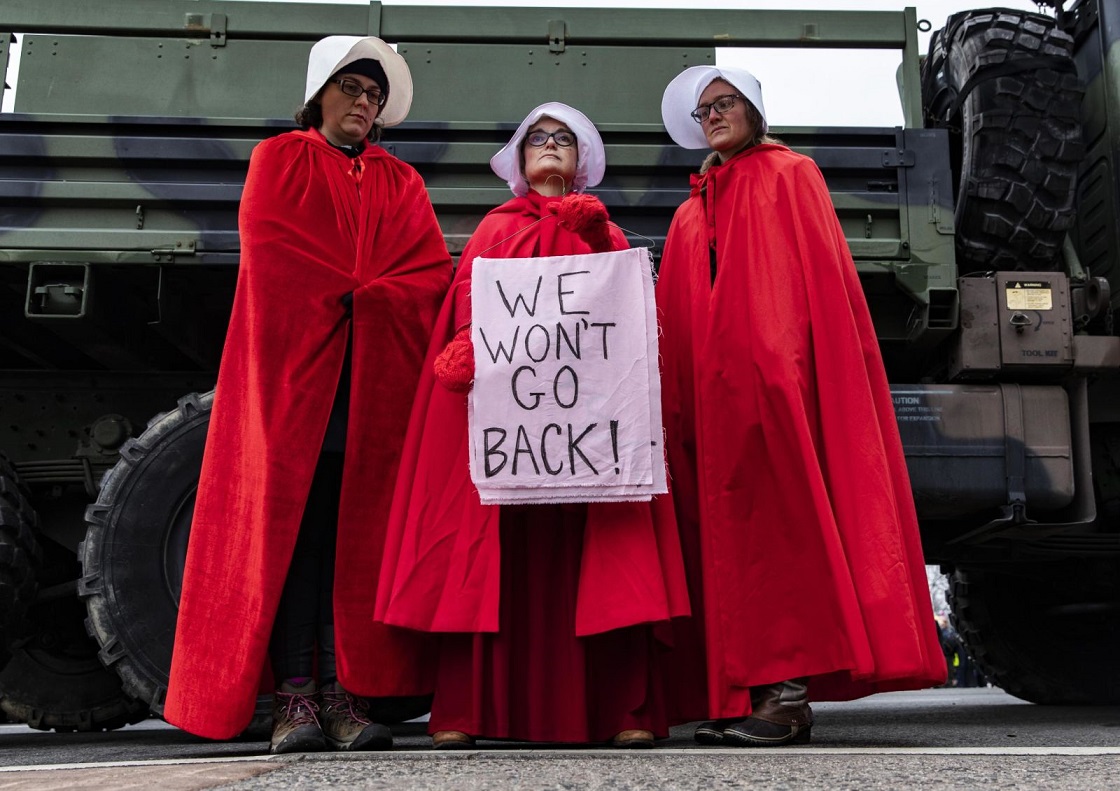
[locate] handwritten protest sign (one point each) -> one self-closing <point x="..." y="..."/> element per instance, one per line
<point x="566" y="405"/>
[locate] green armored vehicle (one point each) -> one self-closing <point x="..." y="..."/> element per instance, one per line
<point x="985" y="231"/>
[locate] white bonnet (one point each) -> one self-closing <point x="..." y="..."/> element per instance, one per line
<point x="592" y="157"/>
<point x="333" y="52"/>
<point x="683" y="94"/>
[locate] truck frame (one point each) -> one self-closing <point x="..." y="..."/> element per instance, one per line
<point x="984" y="229"/>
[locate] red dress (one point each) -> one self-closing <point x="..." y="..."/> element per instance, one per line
<point x="549" y="608"/>
<point x="315" y="226"/>
<point x="787" y="468"/>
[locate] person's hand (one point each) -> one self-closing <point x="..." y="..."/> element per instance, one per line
<point x="586" y="216"/>
<point x="454" y="367"/>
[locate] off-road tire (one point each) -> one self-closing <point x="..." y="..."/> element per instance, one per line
<point x="54" y="680"/>
<point x="1049" y="637"/>
<point x="134" y="552"/>
<point x="135" y="548"/>
<point x="20" y="554"/>
<point x="1015" y="138"/>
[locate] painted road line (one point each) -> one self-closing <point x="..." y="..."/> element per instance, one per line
<point x="537" y="754"/>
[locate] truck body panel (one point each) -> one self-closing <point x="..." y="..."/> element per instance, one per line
<point x="122" y="167"/>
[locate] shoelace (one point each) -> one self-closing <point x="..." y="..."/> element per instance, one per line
<point x="356" y="709"/>
<point x="297" y="708"/>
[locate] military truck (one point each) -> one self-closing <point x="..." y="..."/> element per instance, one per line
<point x="984" y="230"/>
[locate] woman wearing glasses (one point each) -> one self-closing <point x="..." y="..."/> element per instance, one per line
<point x="543" y="642"/>
<point x="783" y="448"/>
<point x="342" y="272"/>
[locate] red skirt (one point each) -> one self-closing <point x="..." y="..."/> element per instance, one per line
<point x="534" y="680"/>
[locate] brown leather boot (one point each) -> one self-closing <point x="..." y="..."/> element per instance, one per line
<point x="780" y="714"/>
<point x="452" y="740"/>
<point x="295" y="728"/>
<point x="633" y="739"/>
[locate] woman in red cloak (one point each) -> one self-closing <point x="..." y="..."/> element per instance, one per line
<point x="783" y="448"/>
<point x="342" y="272"/>
<point x="548" y="610"/>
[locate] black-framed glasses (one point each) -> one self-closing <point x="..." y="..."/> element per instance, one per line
<point x="721" y="105"/>
<point x="351" y="88"/>
<point x="562" y="138"/>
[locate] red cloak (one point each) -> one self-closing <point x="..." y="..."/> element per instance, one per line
<point x="783" y="447"/>
<point x="315" y="226"/>
<point x="442" y="554"/>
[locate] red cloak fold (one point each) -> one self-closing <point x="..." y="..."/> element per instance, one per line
<point x="315" y="226"/>
<point x="441" y="571"/>
<point x="783" y="447"/>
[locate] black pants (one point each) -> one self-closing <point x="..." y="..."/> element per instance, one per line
<point x="305" y="618"/>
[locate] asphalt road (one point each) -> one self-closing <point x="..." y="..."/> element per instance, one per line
<point x="973" y="738"/>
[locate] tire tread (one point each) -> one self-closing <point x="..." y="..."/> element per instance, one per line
<point x="104" y="622"/>
<point x="1018" y="136"/>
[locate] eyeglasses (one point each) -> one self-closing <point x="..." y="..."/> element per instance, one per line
<point x="351" y="88"/>
<point x="561" y="137"/>
<point x="721" y="105"/>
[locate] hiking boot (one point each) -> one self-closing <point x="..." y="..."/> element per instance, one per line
<point x="295" y="728"/>
<point x="346" y="723"/>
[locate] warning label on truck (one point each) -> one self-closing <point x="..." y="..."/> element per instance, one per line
<point x="1029" y="295"/>
<point x="912" y="406"/>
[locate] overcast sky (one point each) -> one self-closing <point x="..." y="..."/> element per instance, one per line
<point x="800" y="87"/>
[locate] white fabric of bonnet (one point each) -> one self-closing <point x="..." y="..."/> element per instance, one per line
<point x="592" y="156"/>
<point x="682" y="95"/>
<point x="333" y="52"/>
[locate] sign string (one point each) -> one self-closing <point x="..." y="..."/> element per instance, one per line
<point x="652" y="243"/>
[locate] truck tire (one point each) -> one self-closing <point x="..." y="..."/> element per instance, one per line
<point x="19" y="553"/>
<point x="135" y="550"/>
<point x="136" y="545"/>
<point x="54" y="680"/>
<point x="1004" y="83"/>
<point x="1049" y="638"/>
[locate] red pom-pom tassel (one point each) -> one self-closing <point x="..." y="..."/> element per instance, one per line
<point x="586" y="216"/>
